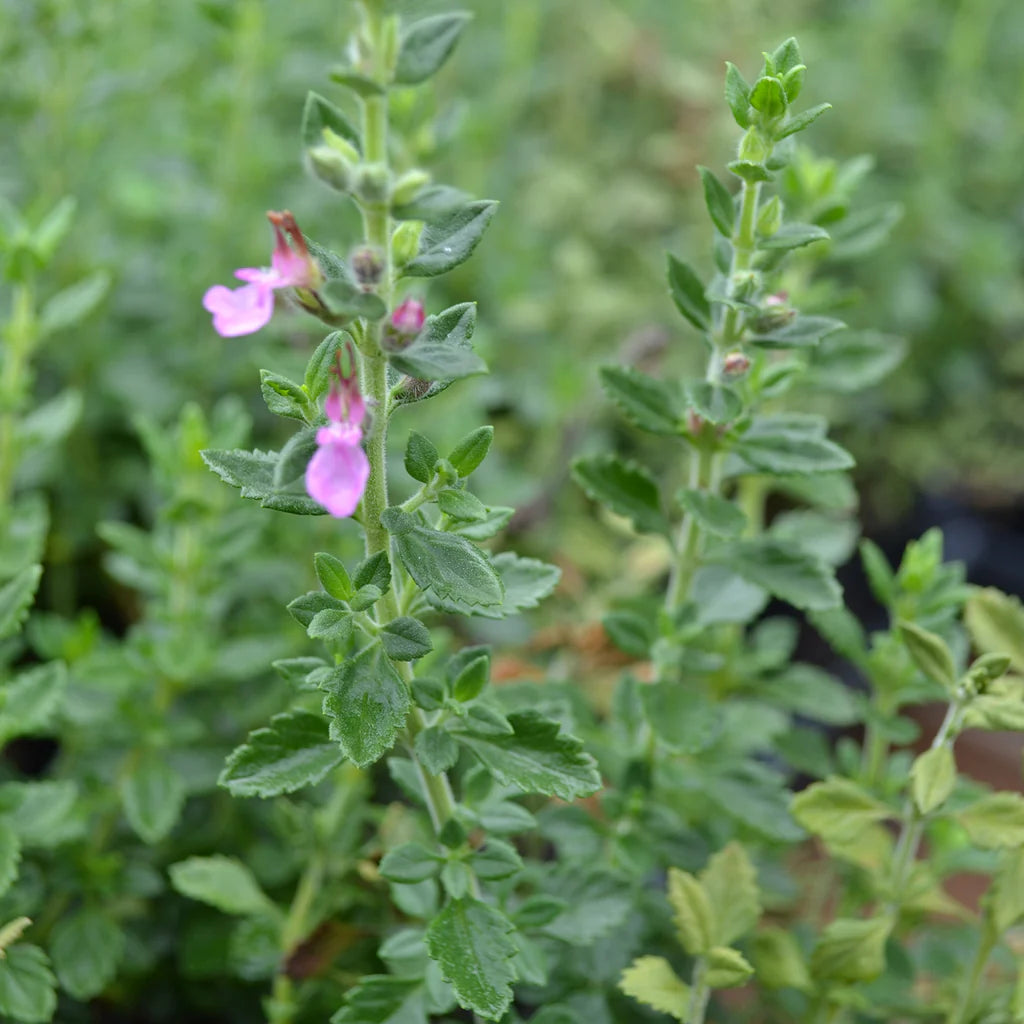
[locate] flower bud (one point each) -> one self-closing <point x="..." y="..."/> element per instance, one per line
<point x="409" y="317"/>
<point x="405" y="242"/>
<point x="753" y="147"/>
<point x="735" y="364"/>
<point x="341" y="145"/>
<point x="368" y="267"/>
<point x="745" y="284"/>
<point x="408" y="186"/>
<point x="769" y="220"/>
<point x="371" y="183"/>
<point x="331" y="168"/>
<point x="775" y="313"/>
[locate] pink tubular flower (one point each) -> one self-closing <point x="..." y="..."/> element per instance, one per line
<point x="247" y="309"/>
<point x="336" y="475"/>
<point x="408" y="317"/>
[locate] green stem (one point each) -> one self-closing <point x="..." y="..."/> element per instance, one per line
<point x="703" y="473"/>
<point x="960" y="1015"/>
<point x="700" y="992"/>
<point x="20" y="338"/>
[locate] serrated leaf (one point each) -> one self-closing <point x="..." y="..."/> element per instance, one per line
<point x="788" y="449"/>
<point x="537" y="758"/>
<point x="727" y="968"/>
<point x="650" y="404"/>
<point x="716" y="403"/>
<point x="317" y="377"/>
<point x="16" y="597"/>
<point x="691" y="911"/>
<point x="995" y="821"/>
<point x="450" y="241"/>
<point x="367" y="705"/>
<point x="426" y="44"/>
<point x="436" y="749"/>
<point x="44" y="813"/>
<point x="283" y="397"/>
<point x="798" y="122"/>
<point x="86" y="948"/>
<point x="687" y="293"/>
<point x="931" y="654"/>
<point x="254" y="474"/>
<point x="650" y="980"/>
<point x="799" y="579"/>
<point x="10" y="856"/>
<point x="467" y="455"/>
<point x="496" y="860"/>
<point x="718" y="200"/>
<point x="713" y="513"/>
<point x="730" y="882"/>
<point x="383" y="999"/>
<point x="152" y="796"/>
<point x="410" y="863"/>
<point x="442" y="351"/>
<point x="624" y="487"/>
<point x="458" y="504"/>
<point x="837" y="809"/>
<point x="1005" y="899"/>
<point x="319" y="113"/>
<point x="932" y="778"/>
<point x="30" y="700"/>
<point x="444" y="564"/>
<point x="222" y="882"/>
<point x="803" y="332"/>
<point x="375" y="571"/>
<point x="27" y="985"/>
<point x="406" y="639"/>
<point x="471" y="941"/>
<point x="346" y="301"/>
<point x="686" y="721"/>
<point x="295" y="750"/>
<point x="851" y="950"/>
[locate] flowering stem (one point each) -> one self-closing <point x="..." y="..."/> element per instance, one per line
<point x="20" y="340"/>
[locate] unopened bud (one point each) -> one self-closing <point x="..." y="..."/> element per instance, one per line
<point x="371" y="183"/>
<point x="753" y="147"/>
<point x="408" y="186"/>
<point x="331" y="167"/>
<point x="745" y="284"/>
<point x="775" y="313"/>
<point x="409" y="317"/>
<point x="367" y="266"/>
<point x="735" y="364"/>
<point x="341" y="145"/>
<point x="405" y="242"/>
<point x="694" y="423"/>
<point x="446" y="473"/>
<point x="769" y="220"/>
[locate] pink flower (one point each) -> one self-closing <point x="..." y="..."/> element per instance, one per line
<point x="247" y="309"/>
<point x="408" y="317"/>
<point x="336" y="475"/>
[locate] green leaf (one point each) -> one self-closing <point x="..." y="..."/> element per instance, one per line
<point x="803" y="332"/>
<point x="436" y="749"/>
<point x="10" y="856"/>
<point x="496" y="860"/>
<point x="16" y="598"/>
<point x="367" y="705"/>
<point x="450" y="241"/>
<point x="283" y="397"/>
<point x="995" y="713"/>
<point x="727" y="968"/>
<point x="995" y="622"/>
<point x="333" y="576"/>
<point x="1004" y="900"/>
<point x="152" y="796"/>
<point x="319" y="113"/>
<point x="687" y="293"/>
<point x="441" y="351"/>
<point x="30" y="700"/>
<point x="86" y="947"/>
<point x="460" y="505"/>
<point x="527" y="581"/>
<point x="730" y="882"/>
<point x="222" y="882"/>
<point x="346" y="301"/>
<point x="624" y="487"/>
<point x="597" y="903"/>
<point x="406" y="639"/>
<point x="421" y="456"/>
<point x="650" y="980"/>
<point x="426" y="44"/>
<point x="334" y="625"/>
<point x="780" y="961"/>
<point x="837" y="809"/>
<point x="497" y="519"/>
<point x="811" y="692"/>
<point x="694" y="919"/>
<point x="717" y="403"/>
<point x="254" y="474"/>
<point x="443" y="564"/>
<point x="932" y="778"/>
<point x="383" y="999"/>
<point x="27" y="985"/>
<point x="799" y="579"/>
<point x="317" y="378"/>
<point x="472" y="678"/>
<point x="294" y="751"/>
<point x="409" y="863"/>
<point x="768" y="96"/>
<point x="686" y="721"/>
<point x="851" y="950"/>
<point x="648" y="403"/>
<point x="359" y="84"/>
<point x="43" y="814"/>
<point x="930" y="653"/>
<point x="471" y="942"/>
<point x="471" y="450"/>
<point x="713" y="513"/>
<point x="537" y="758"/>
<point x="878" y="571"/>
<point x="68" y="308"/>
<point x="855" y="360"/>
<point x="781" y="448"/>
<point x="995" y="821"/>
<point x="373" y="571"/>
<point x="794" y="236"/>
<point x="748" y="170"/>
<point x="737" y="95"/>
<point x="719" y="202"/>
<point x="786" y="56"/>
<point x="798" y="122"/>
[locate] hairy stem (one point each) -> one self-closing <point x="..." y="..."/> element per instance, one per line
<point x="700" y="992"/>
